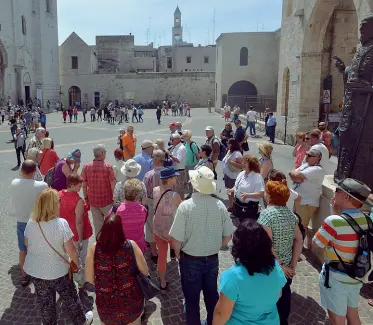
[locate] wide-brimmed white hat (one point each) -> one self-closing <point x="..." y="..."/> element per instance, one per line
<point x="202" y="180"/>
<point x="131" y="168"/>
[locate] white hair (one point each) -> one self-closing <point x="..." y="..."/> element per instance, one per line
<point x="98" y="150"/>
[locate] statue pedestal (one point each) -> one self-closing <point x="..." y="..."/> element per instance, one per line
<point x="323" y="212"/>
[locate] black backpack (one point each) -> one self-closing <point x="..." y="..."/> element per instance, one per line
<point x="223" y="149"/>
<point x="198" y="148"/>
<point x="362" y="267"/>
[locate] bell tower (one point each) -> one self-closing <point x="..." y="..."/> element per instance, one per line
<point x="177" y="30"/>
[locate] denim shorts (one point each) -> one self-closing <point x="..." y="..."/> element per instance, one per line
<point x="339" y="296"/>
<point x="21" y="226"/>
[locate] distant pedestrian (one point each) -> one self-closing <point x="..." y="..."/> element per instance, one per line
<point x="140" y="112"/>
<point x="64" y="116"/>
<point x="84" y="114"/>
<point x="75" y="112"/>
<point x="126" y="114"/>
<point x="43" y="120"/>
<point x="99" y="114"/>
<point x="71" y="113"/>
<point x="20" y="146"/>
<point x="300" y="149"/>
<point x="93" y="114"/>
<point x="271" y="127"/>
<point x="159" y="114"/>
<point x="250" y="121"/>
<point x="134" y="114"/>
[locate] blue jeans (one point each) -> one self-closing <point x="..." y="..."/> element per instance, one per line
<point x="251" y="125"/>
<point x="271" y="133"/>
<point x="197" y="275"/>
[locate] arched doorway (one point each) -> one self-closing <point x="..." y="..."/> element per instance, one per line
<point x="75" y="95"/>
<point x="243" y="93"/>
<point x="331" y="30"/>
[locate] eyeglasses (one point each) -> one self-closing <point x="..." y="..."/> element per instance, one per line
<point x="310" y="156"/>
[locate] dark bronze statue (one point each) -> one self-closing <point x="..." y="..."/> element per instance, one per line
<point x="355" y="158"/>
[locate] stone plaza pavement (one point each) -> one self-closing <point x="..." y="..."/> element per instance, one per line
<point x="18" y="305"/>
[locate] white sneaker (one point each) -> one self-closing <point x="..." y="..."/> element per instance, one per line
<point x="89" y="318"/>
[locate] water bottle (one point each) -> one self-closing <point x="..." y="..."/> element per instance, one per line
<point x="362" y="264"/>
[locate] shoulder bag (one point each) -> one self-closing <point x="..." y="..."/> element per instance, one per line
<point x="159" y="201"/>
<point x="232" y="168"/>
<point x="45" y="153"/>
<point x="148" y="287"/>
<point x="73" y="268"/>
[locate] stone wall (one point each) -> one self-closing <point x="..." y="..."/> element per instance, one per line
<point x="195" y="88"/>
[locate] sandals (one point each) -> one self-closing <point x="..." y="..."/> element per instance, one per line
<point x="164" y="289"/>
<point x="25" y="281"/>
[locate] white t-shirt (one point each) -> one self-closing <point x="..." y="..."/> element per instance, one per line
<point x="311" y="188"/>
<point x="251" y="116"/>
<point x="41" y="260"/>
<point x="24" y="194"/>
<point x="293" y="196"/>
<point x="250" y="183"/>
<point x="180" y="153"/>
<point x="226" y="170"/>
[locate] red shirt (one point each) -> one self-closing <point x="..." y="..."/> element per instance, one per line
<point x="68" y="202"/>
<point x="98" y="176"/>
<point x="48" y="158"/>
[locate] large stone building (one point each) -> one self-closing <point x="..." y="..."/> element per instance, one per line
<point x="247" y="69"/>
<point x="29" y="51"/>
<point x="312" y="32"/>
<point x="117" y="69"/>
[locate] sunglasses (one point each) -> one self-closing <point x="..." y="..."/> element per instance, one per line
<point x="310" y="156"/>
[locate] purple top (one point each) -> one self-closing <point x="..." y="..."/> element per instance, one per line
<point x="133" y="216"/>
<point x="59" y="182"/>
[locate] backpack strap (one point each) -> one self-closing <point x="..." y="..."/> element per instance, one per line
<point x="342" y="265"/>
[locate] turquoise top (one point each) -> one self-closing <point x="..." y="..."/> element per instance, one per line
<point x="192" y="150"/>
<point x="255" y="296"/>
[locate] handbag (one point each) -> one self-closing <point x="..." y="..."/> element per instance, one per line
<point x="232" y="168"/>
<point x="73" y="268"/>
<point x="148" y="287"/>
<point x="245" y="146"/>
<point x="245" y="210"/>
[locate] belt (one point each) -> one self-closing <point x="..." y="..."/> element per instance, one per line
<point x="190" y="257"/>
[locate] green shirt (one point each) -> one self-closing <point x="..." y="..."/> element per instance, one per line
<point x="282" y="223"/>
<point x="192" y="150"/>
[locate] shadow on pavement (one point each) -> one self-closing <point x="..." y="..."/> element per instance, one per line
<point x="305" y="310"/>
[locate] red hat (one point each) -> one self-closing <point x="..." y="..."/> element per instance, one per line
<point x="172" y="124"/>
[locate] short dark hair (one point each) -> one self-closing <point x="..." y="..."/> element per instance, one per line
<point x="235" y="145"/>
<point x="207" y="149"/>
<point x="111" y="236"/>
<point x="277" y="176"/>
<point x="28" y="167"/>
<point x="252" y="248"/>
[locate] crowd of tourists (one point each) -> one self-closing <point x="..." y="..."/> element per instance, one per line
<point x="160" y="198"/>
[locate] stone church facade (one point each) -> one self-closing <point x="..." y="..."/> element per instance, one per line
<point x="29" y="66"/>
<point x="312" y="32"/>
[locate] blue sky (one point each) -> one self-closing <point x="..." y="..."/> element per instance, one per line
<point x="89" y="18"/>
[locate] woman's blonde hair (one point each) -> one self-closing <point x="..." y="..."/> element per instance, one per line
<point x="160" y="144"/>
<point x="266" y="149"/>
<point x="188" y="133"/>
<point x="132" y="189"/>
<point x="47" y="143"/>
<point x="47" y="206"/>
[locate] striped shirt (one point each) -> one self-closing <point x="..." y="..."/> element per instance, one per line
<point x="336" y="233"/>
<point x="200" y="224"/>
